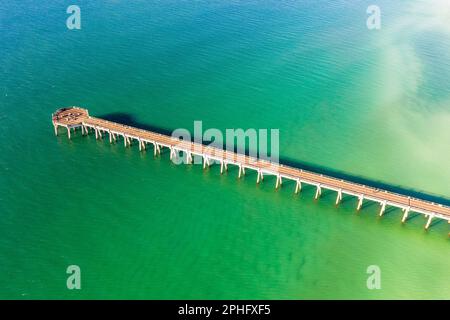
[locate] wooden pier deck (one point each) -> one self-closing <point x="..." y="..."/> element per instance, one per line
<point x="74" y="117"/>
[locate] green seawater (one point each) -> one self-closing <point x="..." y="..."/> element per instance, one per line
<point x="369" y="105"/>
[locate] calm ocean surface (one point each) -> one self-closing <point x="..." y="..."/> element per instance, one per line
<point x="370" y="105"/>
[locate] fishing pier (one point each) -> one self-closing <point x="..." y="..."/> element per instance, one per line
<point x="73" y="118"/>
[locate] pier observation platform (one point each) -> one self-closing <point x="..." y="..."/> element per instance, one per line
<point x="73" y="118"/>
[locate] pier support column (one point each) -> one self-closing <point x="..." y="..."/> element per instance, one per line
<point x="125" y="141"/>
<point x="360" y="202"/>
<point x="188" y="158"/>
<point x="55" y="126"/>
<point x="298" y="186"/>
<point x="82" y="130"/>
<point x="205" y="162"/>
<point x="110" y="136"/>
<point x="260" y="176"/>
<point x="173" y="153"/>
<point x="383" y="208"/>
<point x="156" y="149"/>
<point x="279" y="182"/>
<point x="96" y="133"/>
<point x="318" y="192"/>
<point x="430" y="217"/>
<point x="142" y="145"/>
<point x="240" y="171"/>
<point x="339" y="196"/>
<point x="221" y="166"/>
<point x="405" y="215"/>
<point x="68" y="132"/>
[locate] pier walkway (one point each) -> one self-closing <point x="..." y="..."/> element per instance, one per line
<point x="73" y="117"/>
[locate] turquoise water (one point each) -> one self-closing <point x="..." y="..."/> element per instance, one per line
<point x="370" y="105"/>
